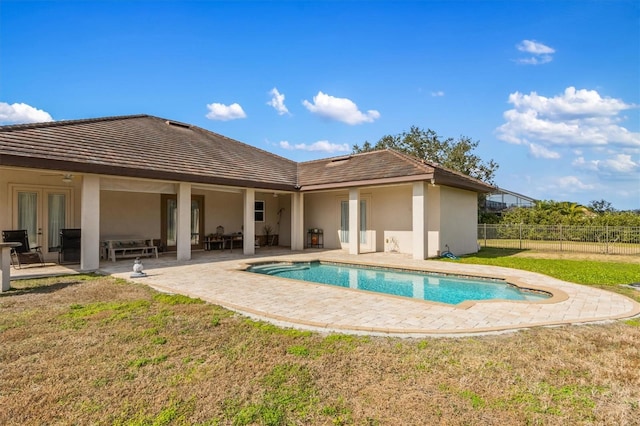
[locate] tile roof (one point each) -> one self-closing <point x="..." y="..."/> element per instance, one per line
<point x="380" y="167"/>
<point x="151" y="147"/>
<point x="144" y="146"/>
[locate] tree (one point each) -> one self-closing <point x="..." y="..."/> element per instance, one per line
<point x="601" y="206"/>
<point x="427" y="145"/>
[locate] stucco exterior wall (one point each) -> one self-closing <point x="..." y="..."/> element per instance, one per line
<point x="389" y="217"/>
<point x="129" y="214"/>
<point x="284" y="228"/>
<point x="391" y="213"/>
<point x="271" y="208"/>
<point x="222" y="209"/>
<point x="322" y="210"/>
<point x="459" y="218"/>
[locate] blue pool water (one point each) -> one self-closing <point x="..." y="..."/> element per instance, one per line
<point x="425" y="286"/>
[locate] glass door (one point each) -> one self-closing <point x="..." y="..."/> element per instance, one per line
<point x="170" y="221"/>
<point x="344" y="222"/>
<point x="43" y="212"/>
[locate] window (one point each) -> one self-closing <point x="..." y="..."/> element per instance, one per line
<point x="259" y="211"/>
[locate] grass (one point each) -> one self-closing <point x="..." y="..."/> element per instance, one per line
<point x="96" y="350"/>
<point x="579" y="271"/>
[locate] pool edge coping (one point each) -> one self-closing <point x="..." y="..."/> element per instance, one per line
<point x="557" y="295"/>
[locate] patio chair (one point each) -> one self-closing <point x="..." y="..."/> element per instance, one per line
<point x="24" y="254"/>
<point x="69" y="246"/>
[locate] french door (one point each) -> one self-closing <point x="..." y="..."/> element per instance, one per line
<point x="169" y="217"/>
<point x="365" y="242"/>
<point x="43" y="212"/>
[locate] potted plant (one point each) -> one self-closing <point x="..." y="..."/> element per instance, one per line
<point x="267" y="230"/>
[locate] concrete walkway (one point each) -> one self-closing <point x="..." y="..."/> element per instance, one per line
<point x="218" y="278"/>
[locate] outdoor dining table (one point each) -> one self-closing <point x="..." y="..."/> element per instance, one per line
<point x="231" y="238"/>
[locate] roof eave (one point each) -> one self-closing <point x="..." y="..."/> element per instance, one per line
<point x="102" y="169"/>
<point x="368" y="182"/>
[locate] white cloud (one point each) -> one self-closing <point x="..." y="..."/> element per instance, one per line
<point x="574" y="118"/>
<point x="530" y="46"/>
<point x="223" y="112"/>
<point x="581" y="163"/>
<point x="539" y="151"/>
<point x="619" y="164"/>
<point x="437" y="94"/>
<point x="571" y="184"/>
<point x="277" y="101"/>
<point x="340" y="109"/>
<point x="541" y="53"/>
<point x="322" y="146"/>
<point x="22" y="113"/>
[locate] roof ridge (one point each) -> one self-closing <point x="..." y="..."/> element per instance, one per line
<point x="55" y="123"/>
<point x="345" y="156"/>
<point x="435" y="165"/>
<point x="420" y="162"/>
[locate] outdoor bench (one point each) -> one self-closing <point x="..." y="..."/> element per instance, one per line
<point x="130" y="247"/>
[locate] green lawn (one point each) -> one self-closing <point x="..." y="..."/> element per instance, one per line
<point x="577" y="271"/>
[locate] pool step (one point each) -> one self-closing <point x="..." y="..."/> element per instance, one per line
<point x="277" y="269"/>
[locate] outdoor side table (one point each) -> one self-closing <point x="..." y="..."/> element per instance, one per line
<point x="5" y="267"/>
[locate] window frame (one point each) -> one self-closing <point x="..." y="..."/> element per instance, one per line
<point x="259" y="214"/>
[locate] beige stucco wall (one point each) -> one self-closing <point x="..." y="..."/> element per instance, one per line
<point x="459" y="219"/>
<point x="129" y="214"/>
<point x="389" y="216"/>
<point x="222" y="209"/>
<point x="284" y="228"/>
<point x="452" y="218"/>
<point x="322" y="210"/>
<point x="272" y="206"/>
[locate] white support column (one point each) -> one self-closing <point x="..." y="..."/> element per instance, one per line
<point x="297" y="221"/>
<point x="90" y="223"/>
<point x="354" y="221"/>
<point x="420" y="240"/>
<point x="249" y="222"/>
<point x="183" y="226"/>
<point x="433" y="221"/>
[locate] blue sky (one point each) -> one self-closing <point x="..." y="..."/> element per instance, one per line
<point x="550" y="89"/>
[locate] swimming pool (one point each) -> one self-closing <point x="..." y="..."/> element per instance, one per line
<point x="412" y="284"/>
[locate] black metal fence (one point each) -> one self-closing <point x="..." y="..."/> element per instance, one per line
<point x="585" y="239"/>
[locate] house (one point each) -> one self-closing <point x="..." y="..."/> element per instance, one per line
<point x="502" y="200"/>
<point x="145" y="176"/>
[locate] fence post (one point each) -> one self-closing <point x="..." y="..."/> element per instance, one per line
<point x="520" y="236"/>
<point x="606" y="238"/>
<point x="560" y="236"/>
<point x="485" y="235"/>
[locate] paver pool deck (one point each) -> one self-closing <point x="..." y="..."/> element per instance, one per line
<point x="218" y="278"/>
